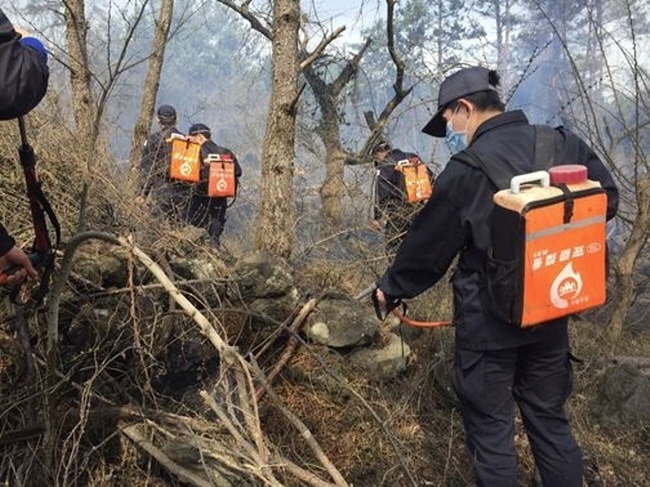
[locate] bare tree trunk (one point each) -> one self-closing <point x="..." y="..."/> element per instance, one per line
<point x="627" y="262"/>
<point x="331" y="191"/>
<point x="151" y="83"/>
<point x="274" y="232"/>
<point x="82" y="97"/>
<point x="83" y="102"/>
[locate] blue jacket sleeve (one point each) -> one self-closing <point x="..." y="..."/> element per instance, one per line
<point x="23" y="72"/>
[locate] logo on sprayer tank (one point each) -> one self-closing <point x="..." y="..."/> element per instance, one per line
<point x="567" y="285"/>
<point x="221" y="185"/>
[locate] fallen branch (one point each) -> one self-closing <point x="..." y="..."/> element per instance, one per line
<point x="247" y="446"/>
<point x="227" y="352"/>
<point x="131" y="432"/>
<point x="290" y="349"/>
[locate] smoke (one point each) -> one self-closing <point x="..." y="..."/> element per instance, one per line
<point x="542" y="90"/>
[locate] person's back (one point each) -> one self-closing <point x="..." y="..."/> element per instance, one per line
<point x="168" y="196"/>
<point x="392" y="212"/>
<point x="206" y="211"/>
<point x="23" y="71"/>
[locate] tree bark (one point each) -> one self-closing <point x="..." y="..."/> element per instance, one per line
<point x="627" y="262"/>
<point x="274" y="232"/>
<point x="83" y="105"/>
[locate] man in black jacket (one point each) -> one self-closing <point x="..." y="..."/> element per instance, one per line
<point x="23" y="82"/>
<point x="205" y="211"/>
<point x="169" y="198"/>
<point x="392" y="212"/>
<point x="496" y="365"/>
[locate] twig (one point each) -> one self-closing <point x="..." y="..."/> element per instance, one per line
<point x="270" y="339"/>
<point x="302" y="474"/>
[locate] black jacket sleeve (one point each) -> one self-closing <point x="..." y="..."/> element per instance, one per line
<point x="23" y="74"/>
<point x="433" y="240"/>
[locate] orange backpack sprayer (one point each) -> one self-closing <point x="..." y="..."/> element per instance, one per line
<point x="550" y="237"/>
<point x="185" y="163"/>
<point x="416" y="181"/>
<point x="547" y="257"/>
<point x="221" y="181"/>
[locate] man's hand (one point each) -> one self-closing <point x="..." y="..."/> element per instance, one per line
<point x="381" y="297"/>
<point x="15" y="257"/>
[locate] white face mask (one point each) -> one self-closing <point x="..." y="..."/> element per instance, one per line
<point x="456" y="141"/>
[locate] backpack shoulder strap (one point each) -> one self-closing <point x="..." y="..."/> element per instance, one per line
<point x="545" y="140"/>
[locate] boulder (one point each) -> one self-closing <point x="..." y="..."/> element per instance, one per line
<point x="383" y="363"/>
<point x="624" y="392"/>
<point x="340" y="323"/>
<point x="262" y="276"/>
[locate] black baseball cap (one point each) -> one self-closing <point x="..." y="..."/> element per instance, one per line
<point x="199" y="128"/>
<point x="461" y="83"/>
<point x="166" y="111"/>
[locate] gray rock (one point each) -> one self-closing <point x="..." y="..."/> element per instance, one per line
<point x="384" y="363"/>
<point x="341" y="323"/>
<point x="262" y="276"/>
<point x="624" y="394"/>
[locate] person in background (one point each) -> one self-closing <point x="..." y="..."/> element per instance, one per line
<point x="497" y="366"/>
<point x="168" y="197"/>
<point x="205" y="211"/>
<point x="24" y="76"/>
<point x="392" y="212"/>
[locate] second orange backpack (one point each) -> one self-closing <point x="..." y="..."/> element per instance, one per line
<point x="221" y="181"/>
<point x="416" y="179"/>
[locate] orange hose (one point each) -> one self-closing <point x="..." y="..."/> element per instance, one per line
<point x="420" y="324"/>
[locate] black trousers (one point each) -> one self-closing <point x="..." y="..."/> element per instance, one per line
<point x="208" y="213"/>
<point x="538" y="378"/>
